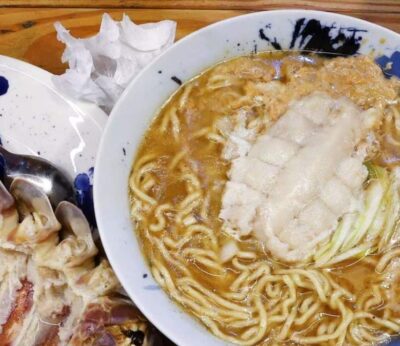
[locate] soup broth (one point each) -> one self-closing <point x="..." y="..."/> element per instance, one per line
<point x="230" y="281"/>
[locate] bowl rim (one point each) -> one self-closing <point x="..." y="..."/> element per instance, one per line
<point x="110" y="251"/>
<point x="231" y="20"/>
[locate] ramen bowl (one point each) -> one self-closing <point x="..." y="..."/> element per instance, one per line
<point x="310" y="31"/>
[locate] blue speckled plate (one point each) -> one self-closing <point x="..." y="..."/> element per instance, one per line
<point x="37" y="119"/>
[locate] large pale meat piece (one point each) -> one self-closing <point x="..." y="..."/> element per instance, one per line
<point x="303" y="177"/>
<point x="317" y="175"/>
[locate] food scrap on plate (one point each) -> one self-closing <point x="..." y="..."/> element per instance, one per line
<point x="54" y="290"/>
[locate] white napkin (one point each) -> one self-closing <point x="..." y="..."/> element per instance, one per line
<point x="100" y="67"/>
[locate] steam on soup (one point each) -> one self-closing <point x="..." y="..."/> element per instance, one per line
<point x="265" y="194"/>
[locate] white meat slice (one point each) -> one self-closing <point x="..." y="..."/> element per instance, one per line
<point x="235" y="147"/>
<point x="293" y="127"/>
<point x="313" y="224"/>
<point x="337" y="196"/>
<point x="315" y="107"/>
<point x="317" y="217"/>
<point x="239" y="206"/>
<point x="239" y="194"/>
<point x="254" y="173"/>
<point x="272" y="150"/>
<point x="352" y="172"/>
<point x="295" y="233"/>
<point x="240" y="217"/>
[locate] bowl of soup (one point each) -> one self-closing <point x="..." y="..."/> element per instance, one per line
<point x="247" y="184"/>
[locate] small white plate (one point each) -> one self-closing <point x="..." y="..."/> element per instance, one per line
<point x="36" y="119"/>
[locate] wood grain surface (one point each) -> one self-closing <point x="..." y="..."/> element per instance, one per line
<point x="384" y="6"/>
<point x="27" y="31"/>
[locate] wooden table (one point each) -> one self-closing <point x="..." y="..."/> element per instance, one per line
<point x="27" y="32"/>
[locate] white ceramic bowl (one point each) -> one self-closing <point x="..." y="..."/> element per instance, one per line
<point x="286" y="29"/>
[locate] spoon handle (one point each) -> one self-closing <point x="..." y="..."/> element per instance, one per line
<point x="9" y="158"/>
<point x="14" y="162"/>
<point x="41" y="172"/>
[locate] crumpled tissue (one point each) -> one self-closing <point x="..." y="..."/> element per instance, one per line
<point x="101" y="66"/>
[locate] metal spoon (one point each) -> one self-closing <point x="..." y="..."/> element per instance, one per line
<point x="40" y="172"/>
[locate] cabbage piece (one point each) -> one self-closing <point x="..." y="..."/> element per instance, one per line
<point x="373" y="199"/>
<point x="332" y="247"/>
<point x="379" y="182"/>
<point x="391" y="218"/>
<point x="380" y="217"/>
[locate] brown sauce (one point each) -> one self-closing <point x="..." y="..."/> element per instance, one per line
<point x="21" y="308"/>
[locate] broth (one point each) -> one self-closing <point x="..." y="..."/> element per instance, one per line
<point x="177" y="184"/>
